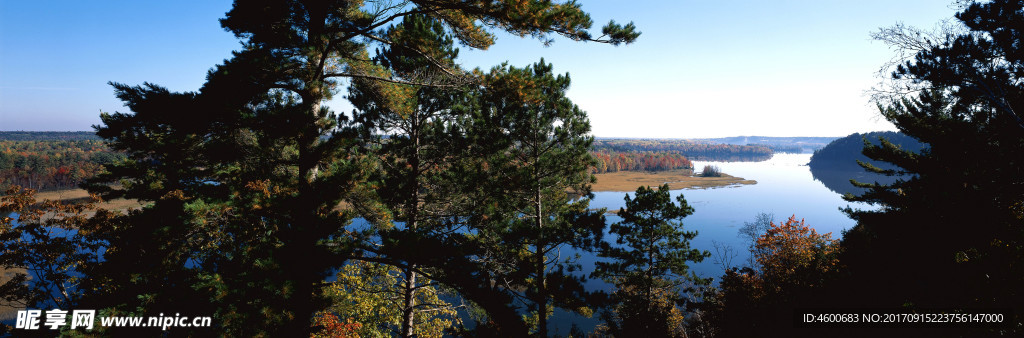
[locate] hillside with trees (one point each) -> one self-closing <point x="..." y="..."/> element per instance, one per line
<point x="837" y="163"/>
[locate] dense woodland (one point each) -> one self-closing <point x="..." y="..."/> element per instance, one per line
<point x="837" y="163"/>
<point x="690" y="149"/>
<point x="48" y="136"/>
<point x="453" y="191"/>
<point x="58" y="163"/>
<point x="612" y="161"/>
<point x="843" y="153"/>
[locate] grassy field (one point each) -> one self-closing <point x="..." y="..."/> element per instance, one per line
<point x="628" y="181"/>
<point x="71" y="195"/>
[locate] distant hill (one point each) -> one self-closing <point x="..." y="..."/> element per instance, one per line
<point x="836" y="163"/>
<point x="48" y="136"/>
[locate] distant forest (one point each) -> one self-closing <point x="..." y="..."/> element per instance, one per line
<point x="611" y="161"/>
<point x="691" y="149"/>
<point x="48" y="136"/>
<point x="835" y="164"/>
<point x="51" y="160"/>
<point x="61" y="160"/>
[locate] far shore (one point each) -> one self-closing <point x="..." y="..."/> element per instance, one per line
<point x="628" y="181"/>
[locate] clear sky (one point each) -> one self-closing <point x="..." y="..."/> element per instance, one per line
<point x="700" y="69"/>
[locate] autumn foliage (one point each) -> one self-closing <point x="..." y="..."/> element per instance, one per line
<point x="790" y="253"/>
<point x="694" y="150"/>
<point x="52" y="164"/>
<point x="793" y="261"/>
<point x="613" y="161"/>
<point x="333" y="327"/>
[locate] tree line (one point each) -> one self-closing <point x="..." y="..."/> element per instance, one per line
<point x="690" y="149"/>
<point x="53" y="164"/>
<point x="612" y="161"/>
<point x="48" y="136"/>
<point x="46" y="162"/>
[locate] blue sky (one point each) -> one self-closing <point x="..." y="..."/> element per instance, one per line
<point x="700" y="69"/>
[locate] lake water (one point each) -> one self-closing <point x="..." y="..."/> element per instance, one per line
<point x="784" y="187"/>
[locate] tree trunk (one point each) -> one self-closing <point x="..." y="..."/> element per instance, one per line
<point x="300" y="240"/>
<point x="542" y="294"/>
<point x="412" y="211"/>
<point x="408" y="310"/>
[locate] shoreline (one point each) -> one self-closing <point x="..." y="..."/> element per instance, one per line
<point x="80" y="195"/>
<point x="628" y="181"/>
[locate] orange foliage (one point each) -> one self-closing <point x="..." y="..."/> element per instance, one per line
<point x="613" y="161"/>
<point x="332" y="326"/>
<point x="788" y="252"/>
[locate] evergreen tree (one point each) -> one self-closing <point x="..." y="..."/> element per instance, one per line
<point x="538" y="161"/>
<point x="251" y="169"/>
<point x="957" y="222"/>
<point x="649" y="264"/>
<point x="407" y="128"/>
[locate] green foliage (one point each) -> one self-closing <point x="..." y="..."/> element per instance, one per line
<point x="535" y="154"/>
<point x="836" y="164"/>
<point x="649" y="264"/>
<point x="411" y="131"/>
<point x="250" y="170"/>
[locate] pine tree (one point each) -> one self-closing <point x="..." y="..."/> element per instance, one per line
<point x="649" y="263"/>
<point x="252" y="168"/>
<point x="957" y="220"/>
<point x="408" y="129"/>
<point x="538" y="162"/>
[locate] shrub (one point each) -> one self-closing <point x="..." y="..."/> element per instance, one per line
<point x="711" y="171"/>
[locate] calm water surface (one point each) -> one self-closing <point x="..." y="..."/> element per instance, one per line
<point x="784" y="187"/>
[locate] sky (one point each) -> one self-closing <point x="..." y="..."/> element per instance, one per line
<point x="700" y="69"/>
